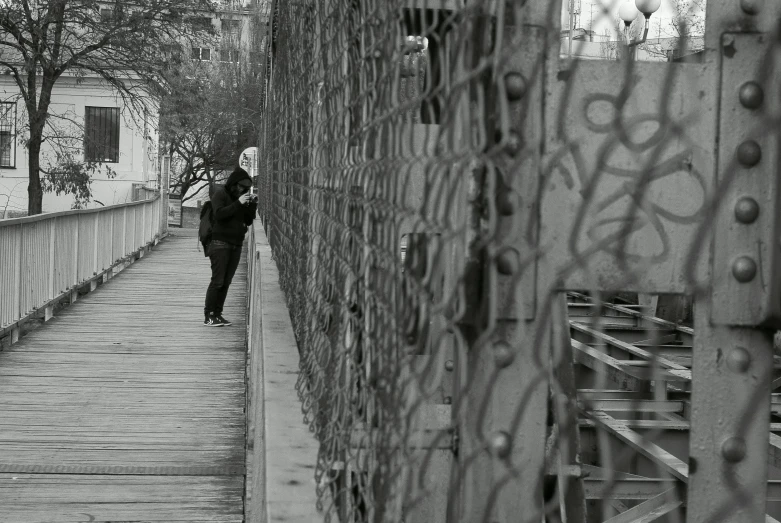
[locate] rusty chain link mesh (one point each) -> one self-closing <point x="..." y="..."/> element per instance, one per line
<point x="425" y="216"/>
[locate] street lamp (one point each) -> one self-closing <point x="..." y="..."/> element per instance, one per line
<point x="628" y="12"/>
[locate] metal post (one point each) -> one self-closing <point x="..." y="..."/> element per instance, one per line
<point x="503" y="437"/>
<point x="733" y="345"/>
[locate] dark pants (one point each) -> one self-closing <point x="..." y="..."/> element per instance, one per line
<point x="225" y="259"/>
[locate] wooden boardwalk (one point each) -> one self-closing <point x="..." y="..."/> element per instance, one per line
<point x="125" y="407"/>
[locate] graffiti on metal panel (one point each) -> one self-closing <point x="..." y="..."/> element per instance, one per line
<point x="623" y="200"/>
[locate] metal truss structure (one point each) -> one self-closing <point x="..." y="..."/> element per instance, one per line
<point x="435" y="178"/>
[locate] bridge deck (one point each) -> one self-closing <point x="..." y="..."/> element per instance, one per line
<point x="124" y="407"/>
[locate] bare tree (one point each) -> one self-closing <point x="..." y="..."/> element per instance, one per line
<point x="122" y="43"/>
<point x="10" y="202"/>
<point x="614" y="41"/>
<point x="212" y="111"/>
<point x="682" y="35"/>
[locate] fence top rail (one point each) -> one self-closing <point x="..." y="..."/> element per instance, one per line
<point x="51" y="215"/>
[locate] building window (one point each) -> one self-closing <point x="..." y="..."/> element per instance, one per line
<point x="8" y="134"/>
<point x="229" y="55"/>
<point x="230" y="30"/>
<point x="202" y="53"/>
<point x="202" y="23"/>
<point x="101" y="134"/>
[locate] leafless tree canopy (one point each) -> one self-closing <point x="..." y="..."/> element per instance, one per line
<point x="125" y="44"/>
<point x="212" y="111"/>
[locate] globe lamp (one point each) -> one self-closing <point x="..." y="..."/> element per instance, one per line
<point x="628" y="12"/>
<point x="648" y="7"/>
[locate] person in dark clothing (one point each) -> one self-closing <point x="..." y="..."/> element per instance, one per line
<point x="233" y="209"/>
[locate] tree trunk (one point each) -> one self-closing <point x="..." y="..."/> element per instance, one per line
<point x="37" y="118"/>
<point x="34" y="190"/>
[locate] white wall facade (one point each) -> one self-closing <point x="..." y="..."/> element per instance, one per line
<point x="138" y="139"/>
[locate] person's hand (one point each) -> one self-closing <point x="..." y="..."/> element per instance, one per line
<point x="244" y="198"/>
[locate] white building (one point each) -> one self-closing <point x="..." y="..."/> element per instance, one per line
<point x="89" y="121"/>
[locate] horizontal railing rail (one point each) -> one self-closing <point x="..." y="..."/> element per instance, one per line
<point x="44" y="257"/>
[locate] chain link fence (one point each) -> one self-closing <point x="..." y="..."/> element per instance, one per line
<point x="475" y="227"/>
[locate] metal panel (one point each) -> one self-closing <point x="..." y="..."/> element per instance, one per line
<point x="627" y="175"/>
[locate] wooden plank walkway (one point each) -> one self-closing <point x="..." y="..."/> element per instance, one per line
<point x="125" y="407"/>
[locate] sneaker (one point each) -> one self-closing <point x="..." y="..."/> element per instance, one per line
<point x="212" y="321"/>
<point x="223" y="320"/>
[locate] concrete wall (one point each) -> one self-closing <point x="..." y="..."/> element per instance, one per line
<point x="137" y="152"/>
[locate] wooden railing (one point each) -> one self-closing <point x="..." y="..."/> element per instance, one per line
<point x="46" y="257"/>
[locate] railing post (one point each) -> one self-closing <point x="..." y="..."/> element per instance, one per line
<point x="18" y="286"/>
<point x="95" y="252"/>
<point x="75" y="275"/>
<point x="124" y="232"/>
<point x="111" y="235"/>
<point x="143" y="234"/>
<point x="48" y="313"/>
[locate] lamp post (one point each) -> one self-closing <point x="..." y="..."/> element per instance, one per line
<point x="628" y="12"/>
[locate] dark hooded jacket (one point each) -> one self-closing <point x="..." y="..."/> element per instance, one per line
<point x="230" y="216"/>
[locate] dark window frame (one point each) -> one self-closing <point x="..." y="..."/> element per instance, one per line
<point x="202" y="23"/>
<point x="230" y="55"/>
<point x="8" y="128"/>
<point x="202" y="54"/>
<point x="230" y="28"/>
<point x="101" y="134"/>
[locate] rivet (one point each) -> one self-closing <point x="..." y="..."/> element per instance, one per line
<point x="377" y="53"/>
<point x="503" y="354"/>
<point x="733" y="449"/>
<point x="476" y="165"/>
<point x="448" y="400"/>
<point x="507" y="262"/>
<point x="500" y="444"/>
<point x="751" y="95"/>
<point x="749" y="153"/>
<point x="750" y="7"/>
<point x="744" y="269"/>
<point x="738" y="360"/>
<point x="746" y="210"/>
<point x="449" y="365"/>
<point x="507" y="201"/>
<point x="692" y="465"/>
<point x="450" y="311"/>
<point x="515" y="84"/>
<point x="514" y="143"/>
